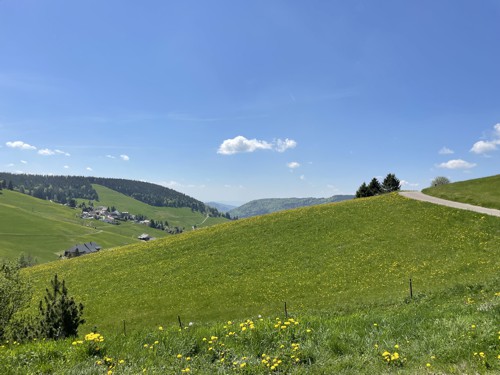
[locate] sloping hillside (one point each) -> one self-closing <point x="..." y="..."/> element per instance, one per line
<point x="333" y="256"/>
<point x="481" y="191"/>
<point x="269" y="205"/>
<point x="44" y="229"/>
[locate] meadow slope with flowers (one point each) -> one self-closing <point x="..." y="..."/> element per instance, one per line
<point x="343" y="270"/>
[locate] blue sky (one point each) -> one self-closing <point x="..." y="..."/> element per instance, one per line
<point x="232" y="101"/>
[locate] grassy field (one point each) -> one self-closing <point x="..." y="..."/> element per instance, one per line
<point x="181" y="217"/>
<point x="343" y="270"/>
<point x="481" y="192"/>
<point x="44" y="229"/>
<point x="451" y="332"/>
<point x="334" y="256"/>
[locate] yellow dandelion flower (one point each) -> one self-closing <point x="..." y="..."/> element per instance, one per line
<point x="160" y="328"/>
<point x="179" y="356"/>
<point x="428" y="365"/>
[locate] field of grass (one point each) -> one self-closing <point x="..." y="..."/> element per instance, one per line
<point x="343" y="270"/>
<point x="180" y="217"/>
<point x="44" y="229"/>
<point x="481" y="192"/>
<point x="456" y="331"/>
<point x="338" y="256"/>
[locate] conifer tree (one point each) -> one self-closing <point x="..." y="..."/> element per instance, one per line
<point x="391" y="183"/>
<point x="61" y="316"/>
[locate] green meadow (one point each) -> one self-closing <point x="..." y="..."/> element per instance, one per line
<point x="212" y="300"/>
<point x="481" y="191"/>
<point x="45" y="229"/>
<point x="180" y="217"/>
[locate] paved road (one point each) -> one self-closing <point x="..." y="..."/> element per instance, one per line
<point x="464" y="206"/>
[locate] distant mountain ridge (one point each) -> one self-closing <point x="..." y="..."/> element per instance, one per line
<point x="63" y="189"/>
<point x="221" y="206"/>
<point x="269" y="205"/>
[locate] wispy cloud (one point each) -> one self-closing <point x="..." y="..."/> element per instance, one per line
<point x="66" y="167"/>
<point x="125" y="157"/>
<point x="20" y="145"/>
<point x="241" y="144"/>
<point x="46" y="152"/>
<point x="446" y="151"/>
<point x="409" y="184"/>
<point x="24" y="162"/>
<point x="457" y="164"/>
<point x="62" y="153"/>
<point x="111" y="156"/>
<point x="483" y="147"/>
<point x="293" y="165"/>
<point x="89" y="169"/>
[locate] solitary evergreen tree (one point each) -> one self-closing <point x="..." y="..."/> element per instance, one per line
<point x="61" y="316"/>
<point x="10" y="186"/>
<point x="391" y="183"/>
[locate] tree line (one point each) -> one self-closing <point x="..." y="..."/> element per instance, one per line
<point x="65" y="189"/>
<point x="389" y="184"/>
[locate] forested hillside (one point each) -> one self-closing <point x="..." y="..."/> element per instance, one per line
<point x="64" y="189"/>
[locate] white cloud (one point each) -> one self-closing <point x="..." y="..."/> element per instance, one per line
<point x="283" y="145"/>
<point x="21" y="145"/>
<point x="89" y="169"/>
<point x="457" y="164"/>
<point x="62" y="153"/>
<point x="446" y="151"/>
<point x="241" y="144"/>
<point x="111" y="156"/>
<point x="124" y="157"/>
<point x="24" y="162"/>
<point x="46" y="152"/>
<point x="66" y="167"/>
<point x="293" y="165"/>
<point x="482" y="147"/>
<point x="10" y="165"/>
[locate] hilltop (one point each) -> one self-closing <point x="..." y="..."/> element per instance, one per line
<point x="483" y="192"/>
<point x="269" y="205"/>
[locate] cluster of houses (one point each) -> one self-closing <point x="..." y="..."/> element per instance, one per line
<point x="102" y="213"/>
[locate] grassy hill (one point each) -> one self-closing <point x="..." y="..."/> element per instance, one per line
<point x="481" y="192"/>
<point x="44" y="229"/>
<point x="342" y="268"/>
<point x="181" y="217"/>
<point x="318" y="258"/>
<point x="269" y="205"/>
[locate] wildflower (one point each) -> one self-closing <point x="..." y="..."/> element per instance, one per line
<point x="179" y="356"/>
<point x="375" y="324"/>
<point x="308" y="330"/>
<point x="110" y="372"/>
<point x="428" y="365"/>
<point x="121" y="361"/>
<point x="160" y="328"/>
<point x="157" y="342"/>
<point x="146" y="345"/>
<point x="243" y="364"/>
<point x="186" y="370"/>
<point x="396" y="346"/>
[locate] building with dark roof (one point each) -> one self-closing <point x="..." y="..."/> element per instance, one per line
<point x="82" y="249"/>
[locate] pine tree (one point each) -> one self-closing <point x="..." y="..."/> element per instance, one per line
<point x="363" y="191"/>
<point x="391" y="183"/>
<point x="375" y="187"/>
<point x="61" y="316"/>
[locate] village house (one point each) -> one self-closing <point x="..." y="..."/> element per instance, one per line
<point x="82" y="249"/>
